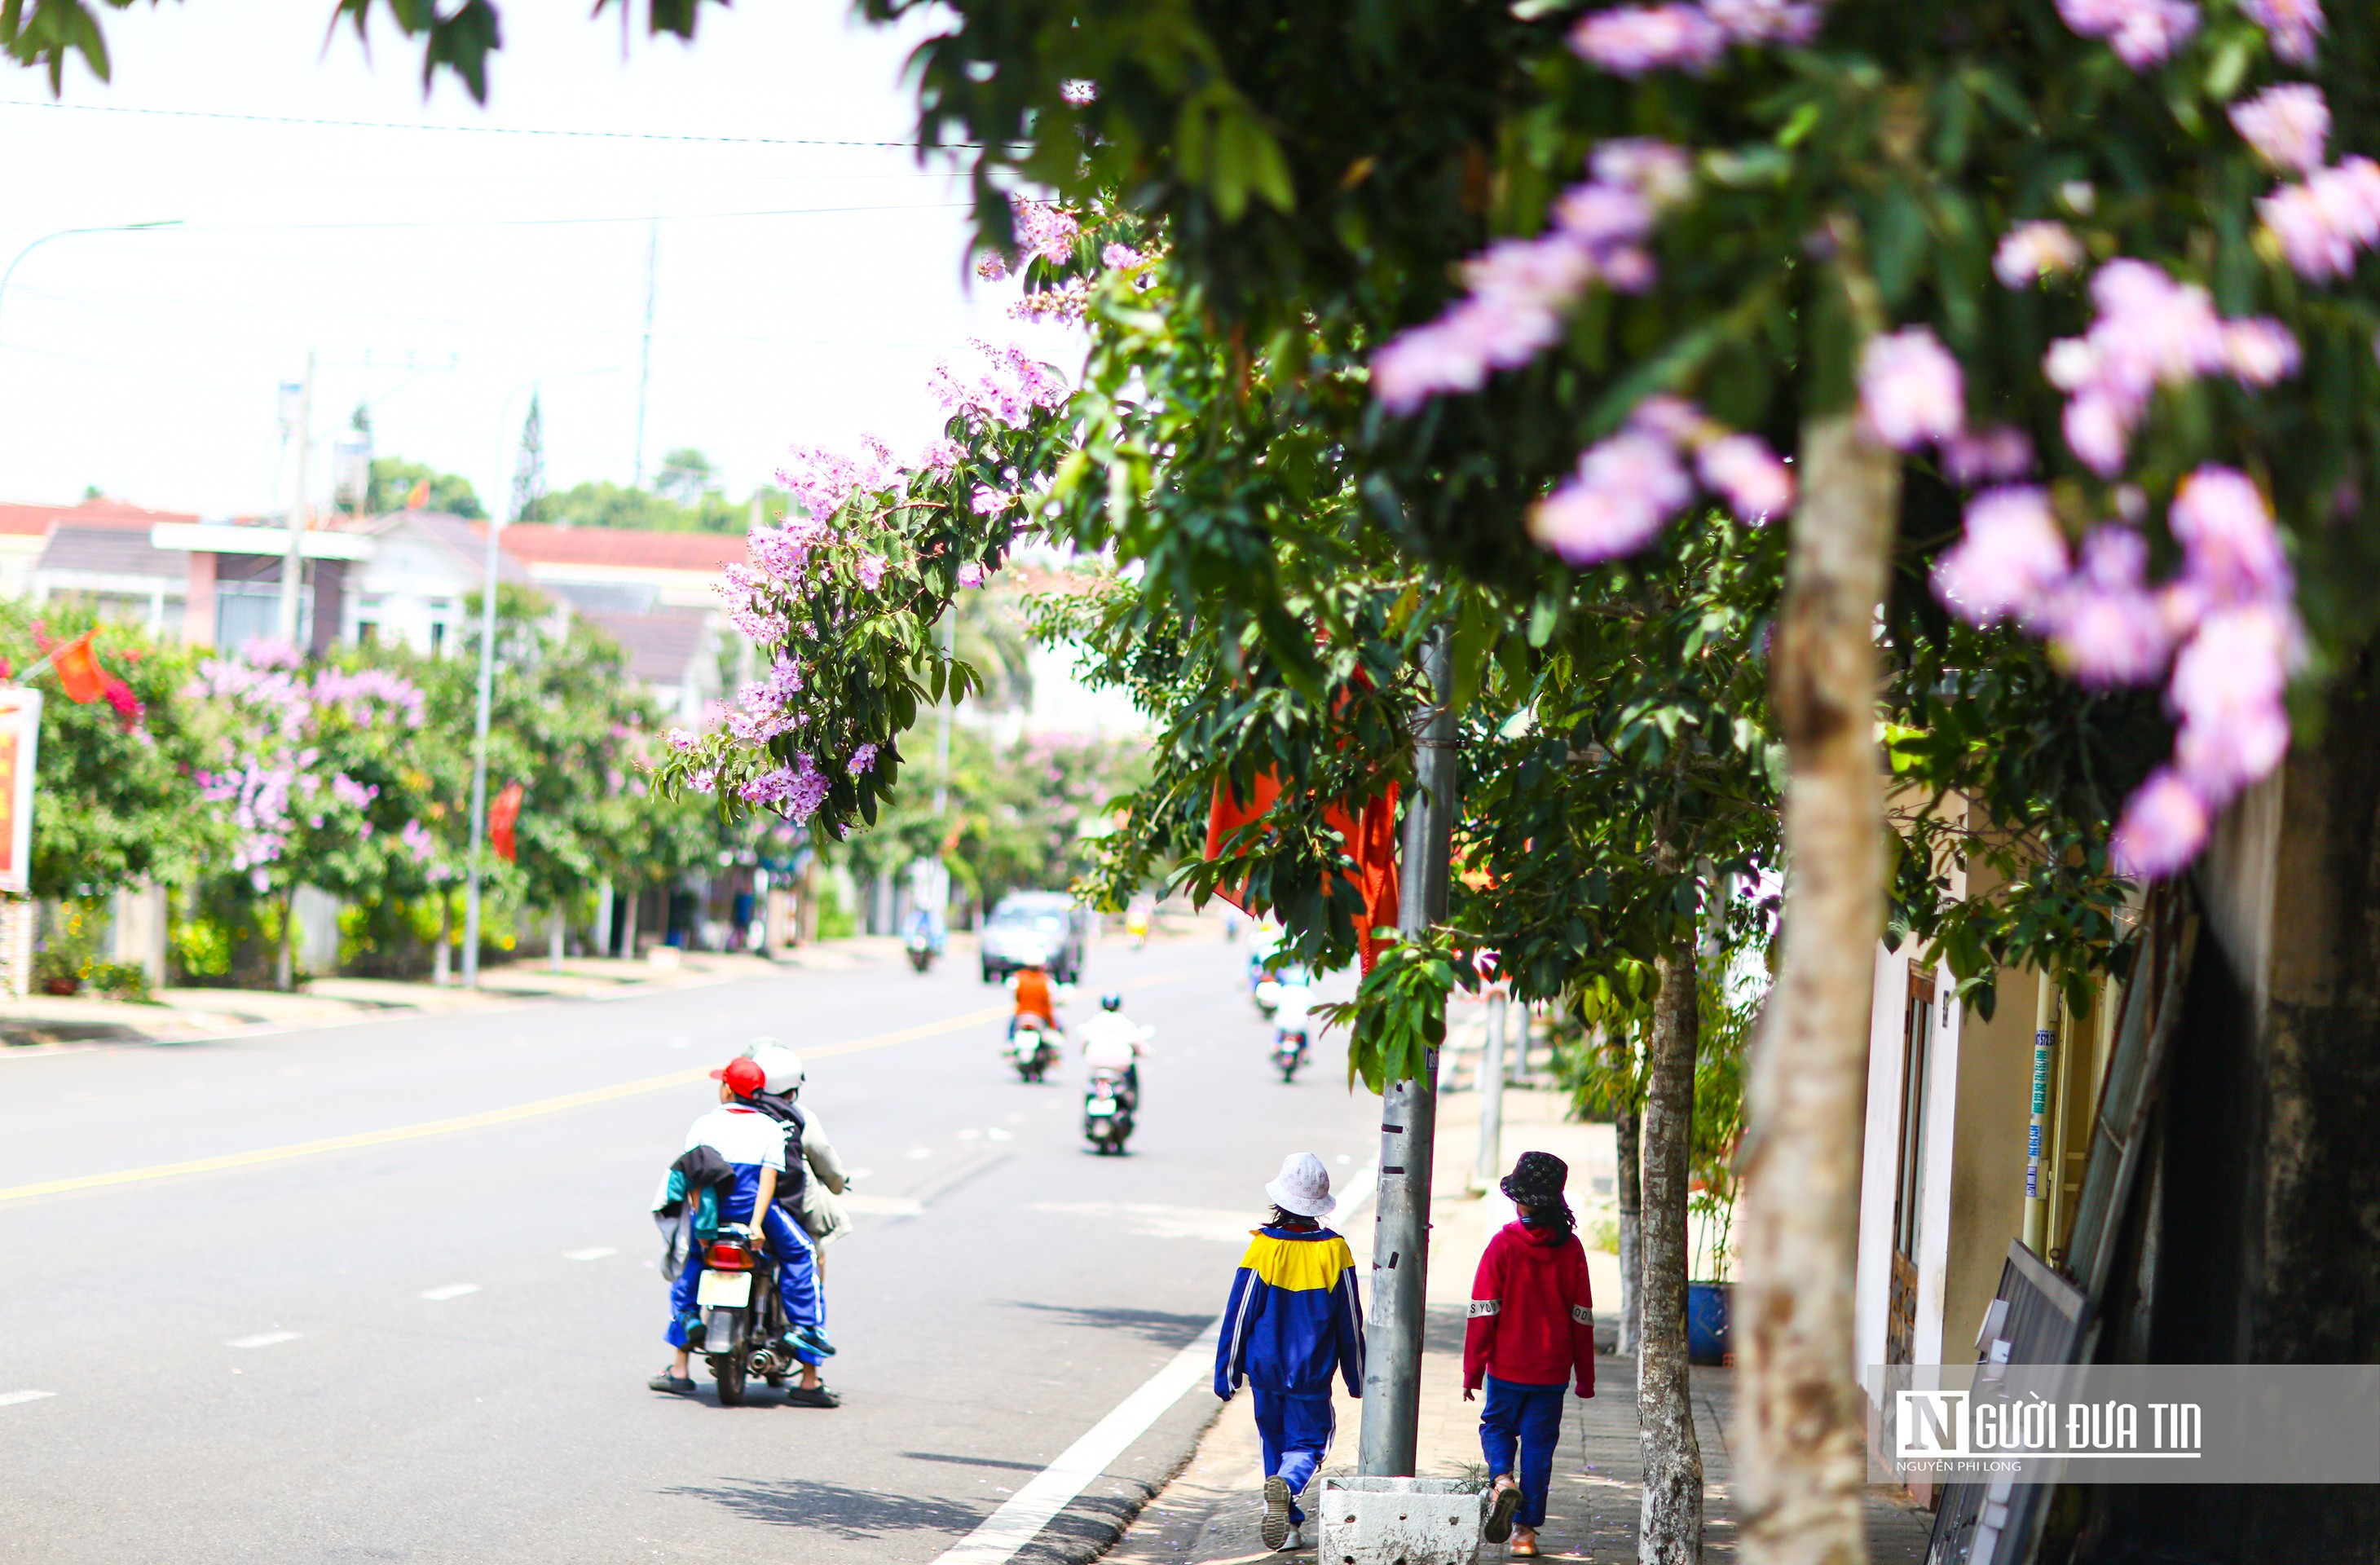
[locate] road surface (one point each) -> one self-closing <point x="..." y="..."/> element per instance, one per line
<point x="429" y="1339"/>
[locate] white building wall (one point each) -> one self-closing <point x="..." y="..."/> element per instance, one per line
<point x="1872" y="1283"/>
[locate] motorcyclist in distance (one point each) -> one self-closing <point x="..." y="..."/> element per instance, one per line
<point x="1034" y="998"/>
<point x="1112" y="1041"/>
<point x="1297" y="998"/>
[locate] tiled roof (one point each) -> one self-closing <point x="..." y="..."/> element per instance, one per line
<point x="119" y="551"/>
<point x="660" y="645"/>
<point x="34" y="520"/>
<point x="543" y="543"/>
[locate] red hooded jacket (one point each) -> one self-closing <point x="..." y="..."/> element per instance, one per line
<point x="1532" y="1319"/>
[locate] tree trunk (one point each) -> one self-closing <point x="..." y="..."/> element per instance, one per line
<point x="553" y="940"/>
<point x="1625" y="1142"/>
<point x="1799" y="1417"/>
<point x="628" y="928"/>
<point x="1669" y="1530"/>
<point x="442" y="961"/>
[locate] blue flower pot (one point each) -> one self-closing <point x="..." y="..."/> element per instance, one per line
<point x="1707" y="1309"/>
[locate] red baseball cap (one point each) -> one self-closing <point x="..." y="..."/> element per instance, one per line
<point x="744" y="1077"/>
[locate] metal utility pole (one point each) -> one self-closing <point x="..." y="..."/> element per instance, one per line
<point x="1409" y="1114"/>
<point x="2038" y="1191"/>
<point x="1492" y="1096"/>
<point x="645" y="359"/>
<point x="480" y="759"/>
<point x="293" y="564"/>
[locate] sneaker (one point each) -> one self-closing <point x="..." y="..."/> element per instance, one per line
<point x="1276" y="1527"/>
<point x="810" y="1339"/>
<point x="1297" y="1540"/>
<point x="1503" y="1504"/>
<point x="677" y="1385"/>
<point x="812" y="1396"/>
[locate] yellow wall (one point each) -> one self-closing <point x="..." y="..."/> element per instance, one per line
<point x="1987" y="1162"/>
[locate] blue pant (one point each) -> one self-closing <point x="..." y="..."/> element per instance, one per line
<point x="797" y="1281"/>
<point x="1296" y="1428"/>
<point x="1529" y="1417"/>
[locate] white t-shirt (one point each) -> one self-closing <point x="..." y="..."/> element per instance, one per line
<point x="1289" y="1011"/>
<point x="1109" y="1040"/>
<point x="740" y="1135"/>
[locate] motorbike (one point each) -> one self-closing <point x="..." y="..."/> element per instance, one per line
<point x="1268" y="996"/>
<point x="1106" y="1111"/>
<point x="921" y="951"/>
<point x="1031" y="1047"/>
<point x="742" y="1319"/>
<point x="1289" y="1051"/>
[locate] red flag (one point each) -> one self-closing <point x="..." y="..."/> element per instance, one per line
<point x="78" y="672"/>
<point x="1370" y="837"/>
<point x="502" y="814"/>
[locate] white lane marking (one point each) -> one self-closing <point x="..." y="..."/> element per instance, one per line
<point x="996" y="1134"/>
<point x="882" y="1206"/>
<point x="1021" y="1518"/>
<point x="452" y="1291"/>
<point x="262" y="1339"/>
<point x="1154" y="1222"/>
<point x="10" y="1399"/>
<point x="970" y="1135"/>
<point x="592" y="1253"/>
<point x="921" y="1151"/>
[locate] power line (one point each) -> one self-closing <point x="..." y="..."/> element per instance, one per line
<point x="560" y="221"/>
<point x="478" y="129"/>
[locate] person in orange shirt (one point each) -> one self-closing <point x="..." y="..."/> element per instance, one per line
<point x="1033" y="999"/>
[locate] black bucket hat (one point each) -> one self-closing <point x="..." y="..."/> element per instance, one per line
<point x="1537" y="1180"/>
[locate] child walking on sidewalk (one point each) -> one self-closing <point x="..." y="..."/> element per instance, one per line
<point x="1293" y="1318"/>
<point x="1531" y="1331"/>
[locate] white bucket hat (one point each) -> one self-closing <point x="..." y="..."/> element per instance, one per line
<point x="780" y="1064"/>
<point x="1302" y="1186"/>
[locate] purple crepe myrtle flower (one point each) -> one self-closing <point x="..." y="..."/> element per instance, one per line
<point x="863" y="760"/>
<point x="1626" y="489"/>
<point x="1635" y="39"/>
<point x="1911" y="389"/>
<point x="2231" y="548"/>
<point x="2031" y="251"/>
<point x="2141" y="33"/>
<point x="2292" y="25"/>
<point x="2108" y="629"/>
<point x="2323" y="222"/>
<point x="2288" y="125"/>
<point x="2164" y="825"/>
<point x="2012" y="555"/>
<point x="971" y="575"/>
<point x="2001" y="454"/>
<point x="1756" y="484"/>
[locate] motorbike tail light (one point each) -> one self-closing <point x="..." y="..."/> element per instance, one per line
<point x="726" y="1256"/>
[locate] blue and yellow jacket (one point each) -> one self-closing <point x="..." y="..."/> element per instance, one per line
<point x="1293" y="1318"/>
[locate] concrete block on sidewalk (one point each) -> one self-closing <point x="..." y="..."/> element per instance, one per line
<point x="1401" y="1521"/>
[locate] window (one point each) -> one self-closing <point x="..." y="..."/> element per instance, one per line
<point x="367" y="632"/>
<point x="437" y="638"/>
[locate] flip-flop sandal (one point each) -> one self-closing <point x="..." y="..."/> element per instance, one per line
<point x="812" y="1396"/>
<point x="1274" y="1529"/>
<point x="1501" y="1509"/>
<point x="677" y="1385"/>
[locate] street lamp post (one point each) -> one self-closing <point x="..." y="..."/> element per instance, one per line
<point x="69" y="232"/>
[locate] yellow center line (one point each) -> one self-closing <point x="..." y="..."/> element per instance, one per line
<point x="492" y="1117"/>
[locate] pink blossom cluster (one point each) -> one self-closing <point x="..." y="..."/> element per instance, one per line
<point x="2152" y="331"/>
<point x="1634" y="40"/>
<point x="2141" y="33"/>
<point x="2288" y="125"/>
<point x="1015" y="387"/>
<point x="2324" y="220"/>
<point x="2223" y="625"/>
<point x="863" y="760"/>
<point x="2293" y="25"/>
<point x="349" y="792"/>
<point x="941" y="456"/>
<point x="418" y="841"/>
<point x="793" y="790"/>
<point x="2031" y="251"/>
<point x="971" y="575"/>
<point x="1911" y="392"/>
<point x="821" y="481"/>
<point x="1069" y="300"/>
<point x="749" y="610"/>
<point x="1044" y="229"/>
<point x="1628" y="486"/>
<point x="1521" y="288"/>
<point x="362" y="693"/>
<point x="1078" y="93"/>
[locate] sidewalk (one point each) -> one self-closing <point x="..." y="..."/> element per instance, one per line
<point x="1208" y="1514"/>
<point x="187" y="1016"/>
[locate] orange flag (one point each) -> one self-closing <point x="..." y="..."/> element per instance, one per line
<point x="78" y="671"/>
<point x="417" y="496"/>
<point x="1370" y="837"/>
<point x="502" y="816"/>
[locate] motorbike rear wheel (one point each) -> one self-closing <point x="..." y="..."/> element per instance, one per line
<point x="728" y="1370"/>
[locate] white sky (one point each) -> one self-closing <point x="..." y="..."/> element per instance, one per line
<point x="147" y="363"/>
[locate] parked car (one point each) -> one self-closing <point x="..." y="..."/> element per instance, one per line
<point x="1044" y="929"/>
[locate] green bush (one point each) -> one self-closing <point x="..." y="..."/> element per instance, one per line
<point x="125" y="980"/>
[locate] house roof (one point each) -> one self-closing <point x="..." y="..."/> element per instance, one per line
<point x="32" y="521"/>
<point x="661" y="644"/>
<point x="465" y="542"/>
<point x="544" y="543"/>
<point x="117" y="550"/>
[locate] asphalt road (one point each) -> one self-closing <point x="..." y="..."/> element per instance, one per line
<point x="434" y="1346"/>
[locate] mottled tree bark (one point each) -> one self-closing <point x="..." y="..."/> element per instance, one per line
<point x="1625" y="1142"/>
<point x="1798" y="1409"/>
<point x="1670" y="1528"/>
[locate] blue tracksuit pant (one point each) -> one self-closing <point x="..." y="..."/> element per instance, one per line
<point x="797" y="1281"/>
<point x="1296" y="1428"/>
<point x="1530" y="1417"/>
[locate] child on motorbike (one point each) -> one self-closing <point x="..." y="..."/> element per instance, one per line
<point x="1293" y="1319"/>
<point x="751" y="1146"/>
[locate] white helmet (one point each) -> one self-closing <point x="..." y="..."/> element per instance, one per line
<point x="781" y="1066"/>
